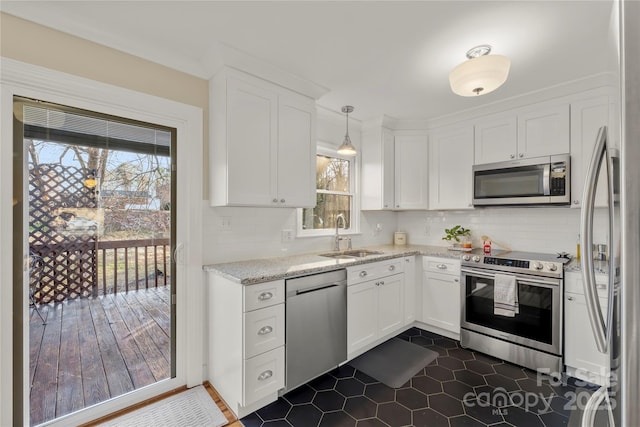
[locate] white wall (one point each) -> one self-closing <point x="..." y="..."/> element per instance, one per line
<point x="547" y="230"/>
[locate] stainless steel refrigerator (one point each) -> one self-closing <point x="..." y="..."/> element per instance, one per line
<point x="617" y="327"/>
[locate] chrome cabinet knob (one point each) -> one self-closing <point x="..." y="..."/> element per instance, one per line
<point x="397" y="206"/>
<point x="441" y="266"/>
<point x="521" y="155"/>
<point x="275" y="200"/>
<point x="265" y="375"/>
<point x="570" y="298"/>
<point x="265" y="330"/>
<point x="265" y="296"/>
<point x="513" y="156"/>
<point x="576" y="202"/>
<point x="363" y="273"/>
<point x="282" y="200"/>
<point x="392" y="267"/>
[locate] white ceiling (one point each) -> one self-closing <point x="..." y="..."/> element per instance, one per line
<point x="383" y="57"/>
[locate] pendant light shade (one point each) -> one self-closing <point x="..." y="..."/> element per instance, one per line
<point x="347" y="148"/>
<point x="481" y="74"/>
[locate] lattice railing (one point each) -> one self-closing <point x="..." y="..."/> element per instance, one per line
<point x="60" y="233"/>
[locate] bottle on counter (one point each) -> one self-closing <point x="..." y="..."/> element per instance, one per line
<point x="578" y="248"/>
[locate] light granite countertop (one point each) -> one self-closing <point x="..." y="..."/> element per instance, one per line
<point x="255" y="271"/>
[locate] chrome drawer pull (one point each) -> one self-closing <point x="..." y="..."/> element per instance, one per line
<point x="265" y="330"/>
<point x="265" y="375"/>
<point x="265" y="296"/>
<point x="392" y="267"/>
<point x="442" y="266"/>
<point x="363" y="273"/>
<point x="601" y="286"/>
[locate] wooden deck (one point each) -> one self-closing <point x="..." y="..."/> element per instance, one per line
<point x="93" y="349"/>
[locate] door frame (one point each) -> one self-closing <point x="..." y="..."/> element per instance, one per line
<point x="31" y="81"/>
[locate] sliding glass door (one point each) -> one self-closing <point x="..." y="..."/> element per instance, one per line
<point x="98" y="224"/>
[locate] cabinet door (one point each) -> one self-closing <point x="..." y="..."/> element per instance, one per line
<point x="251" y="151"/>
<point x="441" y="301"/>
<point x="450" y="163"/>
<point x="362" y="317"/>
<point x="377" y="187"/>
<point x="411" y="175"/>
<point x="390" y="304"/>
<point x="409" y="289"/>
<point x="296" y="151"/>
<point x="580" y="346"/>
<point x="495" y="138"/>
<point x="543" y="131"/>
<point x="587" y="117"/>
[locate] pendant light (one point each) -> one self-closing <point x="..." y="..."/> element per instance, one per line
<point x="347" y="148"/>
<point x="481" y="74"/>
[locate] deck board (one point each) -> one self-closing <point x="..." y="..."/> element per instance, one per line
<point x="93" y="349"/>
<point x="70" y="397"/>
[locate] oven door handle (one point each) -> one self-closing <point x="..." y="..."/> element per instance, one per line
<point x="537" y="281"/>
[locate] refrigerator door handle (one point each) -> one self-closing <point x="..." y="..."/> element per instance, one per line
<point x="586" y="235"/>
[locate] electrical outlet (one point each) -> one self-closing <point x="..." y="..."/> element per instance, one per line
<point x="226" y="223"/>
<point x="287" y="236"/>
<point x="378" y="227"/>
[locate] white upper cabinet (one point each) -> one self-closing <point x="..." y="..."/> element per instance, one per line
<point x="296" y="151"/>
<point x="450" y="162"/>
<point x="587" y="116"/>
<point x="495" y="138"/>
<point x="543" y="130"/>
<point x="538" y="130"/>
<point x="394" y="171"/>
<point x="378" y="165"/>
<point x="411" y="172"/>
<point x="263" y="143"/>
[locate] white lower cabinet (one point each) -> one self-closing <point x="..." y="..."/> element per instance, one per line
<point x="410" y="289"/>
<point x="246" y="361"/>
<point x="441" y="293"/>
<point x="581" y="355"/>
<point x="375" y="304"/>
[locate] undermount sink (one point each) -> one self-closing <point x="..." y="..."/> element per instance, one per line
<point x="355" y="253"/>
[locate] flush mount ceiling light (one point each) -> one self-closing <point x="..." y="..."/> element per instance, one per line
<point x="481" y="74"/>
<point x="347" y="148"/>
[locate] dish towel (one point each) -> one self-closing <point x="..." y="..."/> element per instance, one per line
<point x="505" y="295"/>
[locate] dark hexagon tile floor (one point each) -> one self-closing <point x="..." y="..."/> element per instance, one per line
<point x="460" y="388"/>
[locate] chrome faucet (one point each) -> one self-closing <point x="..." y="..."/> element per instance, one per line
<point x="337" y="238"/>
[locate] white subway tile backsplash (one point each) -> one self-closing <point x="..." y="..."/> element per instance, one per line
<point x="256" y="232"/>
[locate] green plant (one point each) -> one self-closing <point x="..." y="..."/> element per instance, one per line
<point x="455" y="232"/>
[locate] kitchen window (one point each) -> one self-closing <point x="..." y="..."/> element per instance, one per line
<point x="335" y="184"/>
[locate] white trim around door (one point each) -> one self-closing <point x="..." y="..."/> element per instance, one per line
<point x="26" y="80"/>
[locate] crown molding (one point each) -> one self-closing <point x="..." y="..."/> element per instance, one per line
<point x="221" y="55"/>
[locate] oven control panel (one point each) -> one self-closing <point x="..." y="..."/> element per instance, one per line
<point x="535" y="264"/>
<point x="518" y="263"/>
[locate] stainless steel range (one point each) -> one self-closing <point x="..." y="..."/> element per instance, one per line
<point x="529" y="332"/>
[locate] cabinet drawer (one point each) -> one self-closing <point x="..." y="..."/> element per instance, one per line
<point x="441" y="265"/>
<point x="263" y="375"/>
<point x="374" y="270"/>
<point x="263" y="295"/>
<point x="263" y="330"/>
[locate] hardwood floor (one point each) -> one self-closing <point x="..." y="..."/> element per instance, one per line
<point x="92" y="349"/>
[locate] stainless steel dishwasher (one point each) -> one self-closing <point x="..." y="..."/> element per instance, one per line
<point x="316" y="325"/>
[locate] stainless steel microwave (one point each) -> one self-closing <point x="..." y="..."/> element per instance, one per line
<point x="533" y="181"/>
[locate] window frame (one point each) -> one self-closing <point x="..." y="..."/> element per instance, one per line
<point x="324" y="149"/>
